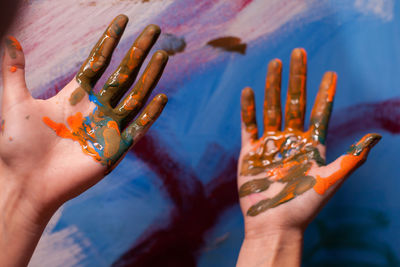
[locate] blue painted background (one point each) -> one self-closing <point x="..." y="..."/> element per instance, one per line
<point x="200" y="131"/>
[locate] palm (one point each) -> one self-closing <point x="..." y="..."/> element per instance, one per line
<point x="64" y="145"/>
<point x="283" y="166"/>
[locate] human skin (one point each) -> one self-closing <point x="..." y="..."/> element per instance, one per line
<point x="283" y="179"/>
<point x="53" y="150"/>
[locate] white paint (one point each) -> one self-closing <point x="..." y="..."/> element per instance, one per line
<point x="61" y="248"/>
<point x="384" y="9"/>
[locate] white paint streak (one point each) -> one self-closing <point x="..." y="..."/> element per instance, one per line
<point x="381" y="8"/>
<point x="62" y="248"/>
<point x="265" y="18"/>
<point x="58" y="35"/>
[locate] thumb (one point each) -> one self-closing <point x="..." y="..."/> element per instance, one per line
<point x="13" y="72"/>
<point x="344" y="165"/>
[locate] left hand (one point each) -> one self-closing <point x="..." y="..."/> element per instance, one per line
<point x="283" y="179"/>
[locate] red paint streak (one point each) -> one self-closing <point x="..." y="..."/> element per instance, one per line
<point x="243" y="4"/>
<point x="180" y="182"/>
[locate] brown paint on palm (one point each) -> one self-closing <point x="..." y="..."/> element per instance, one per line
<point x="288" y="157"/>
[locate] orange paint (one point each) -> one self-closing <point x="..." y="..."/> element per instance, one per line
<point x="332" y="88"/>
<point x="252" y="131"/>
<point x="122" y="78"/>
<point x="134" y="57"/>
<point x="250" y="109"/>
<point x="280" y="173"/>
<point x="15" y="43"/>
<point x="144" y="77"/>
<point x="13" y="69"/>
<point x="130" y="103"/>
<point x="77" y="133"/>
<point x="146" y="119"/>
<point x="113" y="125"/>
<point x="348" y="163"/>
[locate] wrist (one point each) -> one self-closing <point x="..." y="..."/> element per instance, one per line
<point x="282" y="247"/>
<point x="21" y="221"/>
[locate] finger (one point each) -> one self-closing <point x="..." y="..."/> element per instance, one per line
<point x="100" y="56"/>
<point x="343" y="166"/>
<point x="149" y="115"/>
<point x="272" y="102"/>
<point x="13" y="72"/>
<point x="132" y="103"/>
<point x="322" y="108"/>
<point x="249" y="122"/>
<point x="296" y="96"/>
<point x="122" y="79"/>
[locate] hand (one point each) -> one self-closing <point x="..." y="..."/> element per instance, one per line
<point x="53" y="150"/>
<point x="283" y="179"/>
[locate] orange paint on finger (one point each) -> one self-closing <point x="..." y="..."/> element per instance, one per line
<point x="130" y="103"/>
<point x="348" y="163"/>
<point x="134" y="57"/>
<point x="332" y="89"/>
<point x="13" y="69"/>
<point x="15" y="43"/>
<point x="122" y="78"/>
<point x="354" y="157"/>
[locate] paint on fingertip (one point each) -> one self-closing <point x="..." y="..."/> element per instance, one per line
<point x="366" y="143"/>
<point x="13" y="46"/>
<point x="332" y="88"/>
<point x="13" y="69"/>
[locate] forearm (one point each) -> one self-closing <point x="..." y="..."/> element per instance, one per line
<point x="281" y="248"/>
<point x="20" y="224"/>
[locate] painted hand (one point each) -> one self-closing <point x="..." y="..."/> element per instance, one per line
<point x="56" y="149"/>
<point x="283" y="179"/>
